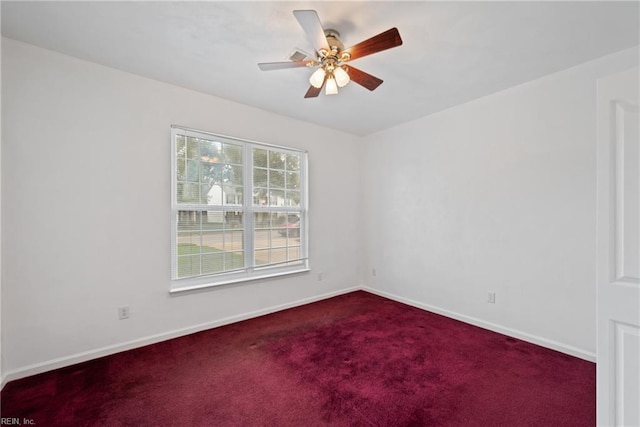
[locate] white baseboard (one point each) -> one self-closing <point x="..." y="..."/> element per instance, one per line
<point x="543" y="342"/>
<point x="62" y="362"/>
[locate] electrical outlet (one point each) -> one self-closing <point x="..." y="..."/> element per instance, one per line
<point x="123" y="312"/>
<point x="373" y="272"/>
<point x="491" y="297"/>
<point x="320" y="277"/>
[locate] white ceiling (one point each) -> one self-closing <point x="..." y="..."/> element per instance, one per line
<point x="453" y="52"/>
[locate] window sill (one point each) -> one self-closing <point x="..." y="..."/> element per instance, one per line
<point x="186" y="285"/>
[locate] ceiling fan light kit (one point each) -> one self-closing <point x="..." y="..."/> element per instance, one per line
<point x="332" y="86"/>
<point x="331" y="56"/>
<point x="341" y="76"/>
<point x="317" y="78"/>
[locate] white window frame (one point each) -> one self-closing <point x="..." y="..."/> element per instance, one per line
<point x="249" y="272"/>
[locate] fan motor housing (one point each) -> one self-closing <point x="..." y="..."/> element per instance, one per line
<point x="333" y="38"/>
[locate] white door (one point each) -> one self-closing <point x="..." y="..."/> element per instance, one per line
<point x="618" y="279"/>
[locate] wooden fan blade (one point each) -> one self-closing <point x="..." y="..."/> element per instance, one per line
<point x="268" y="66"/>
<point x="310" y="23"/>
<point x="315" y="91"/>
<point x="363" y="79"/>
<point x="383" y="41"/>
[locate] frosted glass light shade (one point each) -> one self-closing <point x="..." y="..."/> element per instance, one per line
<point x="342" y="78"/>
<point x="332" y="87"/>
<point x="317" y="78"/>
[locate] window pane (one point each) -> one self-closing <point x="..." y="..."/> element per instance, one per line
<point x="262" y="257"/>
<point x="276" y="238"/>
<point x="213" y="240"/>
<point x="293" y="180"/>
<point x="188" y="220"/>
<point x="293" y="162"/>
<point x="283" y="172"/>
<point x="233" y="221"/>
<point x="193" y="171"/>
<point x="261" y="239"/>
<point x="189" y="242"/>
<point x="260" y="158"/>
<point x="193" y="149"/>
<point x="211" y="172"/>
<point x="214" y="195"/>
<point x="205" y="164"/>
<point x="233" y="260"/>
<point x="276" y="179"/>
<point x="262" y="219"/>
<point x="292" y="198"/>
<point x="205" y="189"/>
<point x="181" y="168"/>
<point x="294" y="252"/>
<point x="278" y="255"/>
<point x="212" y="263"/>
<point x="188" y="193"/>
<point x="232" y="154"/>
<point x="228" y="195"/>
<point x="260" y="196"/>
<point x="259" y="177"/>
<point x="221" y="220"/>
<point x="276" y="198"/>
<point x="181" y="147"/>
<point x="276" y="160"/>
<point x="188" y="265"/>
<point x="204" y="239"/>
<point x="210" y="151"/>
<point x="234" y="175"/>
<point x="232" y="196"/>
<point x="233" y="240"/>
<point x="290" y="227"/>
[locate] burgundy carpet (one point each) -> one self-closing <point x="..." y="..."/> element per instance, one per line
<point x="352" y="360"/>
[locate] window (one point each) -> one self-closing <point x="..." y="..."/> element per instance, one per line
<point x="238" y="210"/>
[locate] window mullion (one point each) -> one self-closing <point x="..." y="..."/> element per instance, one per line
<point x="249" y="224"/>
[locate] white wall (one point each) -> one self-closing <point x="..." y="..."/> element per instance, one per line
<point x="496" y="195"/>
<point x="76" y="134"/>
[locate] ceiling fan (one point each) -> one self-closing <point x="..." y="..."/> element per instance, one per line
<point x="331" y="56"/>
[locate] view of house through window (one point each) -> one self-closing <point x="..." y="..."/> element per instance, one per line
<point x="239" y="208"/>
